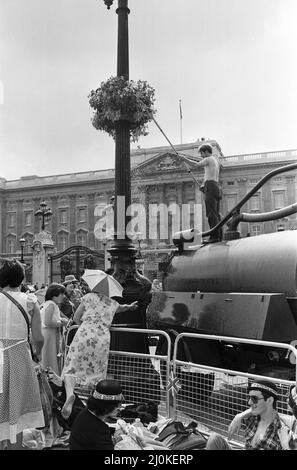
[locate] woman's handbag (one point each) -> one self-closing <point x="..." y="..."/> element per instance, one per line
<point x="46" y="396"/>
<point x="59" y="398"/>
<point x="178" y="437"/>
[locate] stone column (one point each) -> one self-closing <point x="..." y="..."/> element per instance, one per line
<point x="42" y="246"/>
<point x="242" y="191"/>
<point x="91" y="220"/>
<point x="199" y="199"/>
<point x="198" y="196"/>
<point x="37" y="222"/>
<point x="161" y="188"/>
<point x="54" y="218"/>
<point x="291" y="189"/>
<point x="72" y="219"/>
<point x="2" y="219"/>
<point x="291" y="196"/>
<point x="267" y="227"/>
<point x="179" y="193"/>
<point x="19" y="221"/>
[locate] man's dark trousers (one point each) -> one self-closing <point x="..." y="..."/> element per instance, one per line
<point x="212" y="194"/>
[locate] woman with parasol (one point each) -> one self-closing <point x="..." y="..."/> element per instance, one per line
<point x="87" y="358"/>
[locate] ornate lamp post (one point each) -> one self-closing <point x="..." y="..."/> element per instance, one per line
<point x="22" y="243"/>
<point x="123" y="253"/>
<point x="43" y="213"/>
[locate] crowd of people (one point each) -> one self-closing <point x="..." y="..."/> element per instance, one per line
<point x="63" y="304"/>
<point x="25" y="320"/>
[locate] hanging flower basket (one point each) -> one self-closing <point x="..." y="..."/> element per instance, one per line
<point x="117" y="100"/>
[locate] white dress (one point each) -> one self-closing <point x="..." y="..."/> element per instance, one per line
<point x="20" y="404"/>
<point x="87" y="358"/>
<point x="51" y="336"/>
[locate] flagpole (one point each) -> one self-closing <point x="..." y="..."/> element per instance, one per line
<point x="180" y="122"/>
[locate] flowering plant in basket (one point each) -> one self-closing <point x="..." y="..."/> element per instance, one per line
<point x="120" y="99"/>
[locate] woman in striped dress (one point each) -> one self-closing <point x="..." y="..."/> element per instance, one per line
<point x="20" y="404"/>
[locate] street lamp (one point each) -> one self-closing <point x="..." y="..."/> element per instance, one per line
<point x="122" y="246"/>
<point x="123" y="253"/>
<point x="22" y="243"/>
<point x="43" y="213"/>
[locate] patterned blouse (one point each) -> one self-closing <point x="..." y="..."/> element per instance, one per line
<point x="271" y="439"/>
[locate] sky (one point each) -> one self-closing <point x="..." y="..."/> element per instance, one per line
<point x="232" y="63"/>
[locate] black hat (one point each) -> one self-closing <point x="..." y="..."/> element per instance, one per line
<point x="108" y="389"/>
<point x="264" y="386"/>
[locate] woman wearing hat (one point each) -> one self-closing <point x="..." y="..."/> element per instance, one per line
<point x="87" y="359"/>
<point x="89" y="430"/>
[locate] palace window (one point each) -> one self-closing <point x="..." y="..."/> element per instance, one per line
<point x="278" y="199"/>
<point x="28" y="218"/>
<point x="11" y="219"/>
<point x="11" y="245"/>
<point x="28" y="244"/>
<point x="62" y="241"/>
<point x="255" y="230"/>
<point x="63" y="216"/>
<point x="82" y="214"/>
<point x="255" y="203"/>
<point x="231" y="201"/>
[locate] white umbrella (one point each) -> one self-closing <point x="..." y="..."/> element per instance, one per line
<point x="40" y="294"/>
<point x="102" y="283"/>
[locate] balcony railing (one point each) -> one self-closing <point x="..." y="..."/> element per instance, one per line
<point x="261" y="156"/>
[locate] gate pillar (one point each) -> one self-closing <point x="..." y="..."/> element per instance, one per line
<point x="42" y="246"/>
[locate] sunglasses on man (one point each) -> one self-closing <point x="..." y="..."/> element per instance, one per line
<point x="254" y="399"/>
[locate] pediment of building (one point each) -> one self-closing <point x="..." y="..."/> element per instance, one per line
<point x="162" y="163"/>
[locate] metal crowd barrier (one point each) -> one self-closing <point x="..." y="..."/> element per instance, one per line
<point x="139" y="373"/>
<point x="209" y="395"/>
<point x="212" y="396"/>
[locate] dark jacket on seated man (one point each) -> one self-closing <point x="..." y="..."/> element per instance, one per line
<point x="89" y="430"/>
<point x="90" y="433"/>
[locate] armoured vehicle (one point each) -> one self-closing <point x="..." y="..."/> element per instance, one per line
<point x="239" y="287"/>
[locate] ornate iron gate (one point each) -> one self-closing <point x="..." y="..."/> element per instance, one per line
<point x="74" y="260"/>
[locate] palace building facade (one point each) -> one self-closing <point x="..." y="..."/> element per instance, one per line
<point x="158" y="176"/>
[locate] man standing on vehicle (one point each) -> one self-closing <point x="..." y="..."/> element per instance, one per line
<point x="211" y="189"/>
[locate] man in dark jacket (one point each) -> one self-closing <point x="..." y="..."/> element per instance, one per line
<point x="67" y="306"/>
